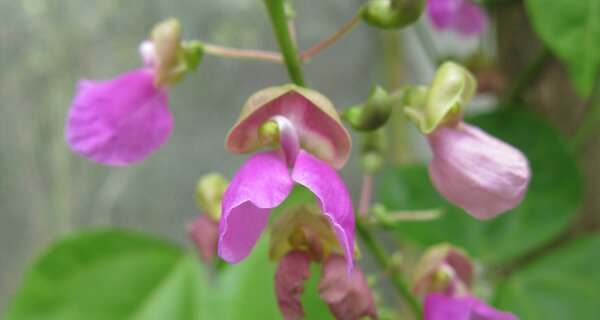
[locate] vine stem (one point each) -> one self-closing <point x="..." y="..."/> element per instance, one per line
<point x="307" y="54"/>
<point x="365" y="194"/>
<point x="286" y="43"/>
<point x="529" y="74"/>
<point x="384" y="261"/>
<point x="591" y="119"/>
<point x="245" y="54"/>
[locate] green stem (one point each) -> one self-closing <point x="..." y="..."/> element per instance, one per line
<point x="278" y="17"/>
<point x="590" y="121"/>
<point x="529" y="74"/>
<point x="384" y="261"/>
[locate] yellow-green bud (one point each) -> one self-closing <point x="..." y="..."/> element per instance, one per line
<point x="392" y="14"/>
<point x="209" y="193"/>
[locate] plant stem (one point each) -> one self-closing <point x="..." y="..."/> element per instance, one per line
<point x="365" y="194"/>
<point x="306" y="54"/>
<point x="382" y="258"/>
<point x="286" y="44"/>
<point x="427" y="44"/>
<point x="529" y="74"/>
<point x="591" y="119"/>
<point x="226" y="52"/>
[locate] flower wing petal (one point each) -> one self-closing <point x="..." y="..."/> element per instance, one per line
<point x="332" y="197"/>
<point x="262" y="183"/>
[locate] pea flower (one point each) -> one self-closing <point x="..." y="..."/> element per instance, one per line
<point x="204" y="230"/>
<point x="461" y="15"/>
<point x="302" y="235"/>
<point x="470" y="168"/>
<point x="312" y="142"/>
<point x="445" y="275"/>
<point x="125" y="119"/>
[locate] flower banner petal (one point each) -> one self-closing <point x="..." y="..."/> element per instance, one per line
<point x="332" y="197"/>
<point x="262" y="183"/>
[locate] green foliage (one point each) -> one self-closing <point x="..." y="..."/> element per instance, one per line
<point x="572" y="30"/>
<point x="551" y="200"/>
<point x="111" y="274"/>
<point x="565" y="284"/>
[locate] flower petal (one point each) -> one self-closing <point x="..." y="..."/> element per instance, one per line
<point x="314" y="117"/>
<point x="292" y="271"/>
<point x="436" y="259"/>
<point x="332" y="197"/>
<point x="470" y="20"/>
<point x="119" y="121"/>
<point x="347" y="297"/>
<point x="444" y="307"/>
<point x="262" y="183"/>
<point x="476" y="171"/>
<point x="204" y="231"/>
<point x="443" y="12"/>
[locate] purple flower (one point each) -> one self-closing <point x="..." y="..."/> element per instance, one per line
<point x="477" y="172"/>
<point x="443" y="268"/>
<point x="125" y="119"/>
<point x="347" y="297"/>
<point x="444" y="307"/>
<point x="461" y="15"/>
<point x="290" y="118"/>
<point x="119" y="121"/>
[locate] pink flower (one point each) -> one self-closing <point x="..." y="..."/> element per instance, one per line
<point x="444" y="307"/>
<point x="477" y="172"/>
<point x="119" y="121"/>
<point x="290" y="118"/>
<point x="461" y="15"/>
<point x="347" y="297"/>
<point x="125" y="119"/>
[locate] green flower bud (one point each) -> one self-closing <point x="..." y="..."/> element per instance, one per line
<point x="392" y="14"/>
<point x="209" y="193"/>
<point x="373" y="114"/>
<point x="373" y="151"/>
<point x="451" y="90"/>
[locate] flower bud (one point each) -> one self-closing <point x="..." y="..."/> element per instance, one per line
<point x="391" y="14"/>
<point x="204" y="231"/>
<point x="209" y="194"/>
<point x="443" y="268"/>
<point x="373" y="114"/>
<point x="373" y="151"/>
<point x="451" y="90"/>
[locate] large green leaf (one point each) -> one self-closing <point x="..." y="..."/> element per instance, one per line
<point x="111" y="274"/>
<point x="552" y="198"/>
<point x="562" y="285"/>
<point x="571" y="28"/>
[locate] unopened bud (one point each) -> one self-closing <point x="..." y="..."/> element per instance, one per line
<point x="209" y="194"/>
<point x="392" y="14"/>
<point x="373" y="114"/>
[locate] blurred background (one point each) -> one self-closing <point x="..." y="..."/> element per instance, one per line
<point x="46" y="46"/>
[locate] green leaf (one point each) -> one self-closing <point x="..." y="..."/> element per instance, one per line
<point x="565" y="284"/>
<point x="549" y="204"/>
<point x="572" y="30"/>
<point x="247" y="290"/>
<point x="111" y="274"/>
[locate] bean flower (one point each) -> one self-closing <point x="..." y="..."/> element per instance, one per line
<point x="470" y="168"/>
<point x="445" y="275"/>
<point x="461" y="15"/>
<point x="310" y="143"/>
<point x="123" y="120"/>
